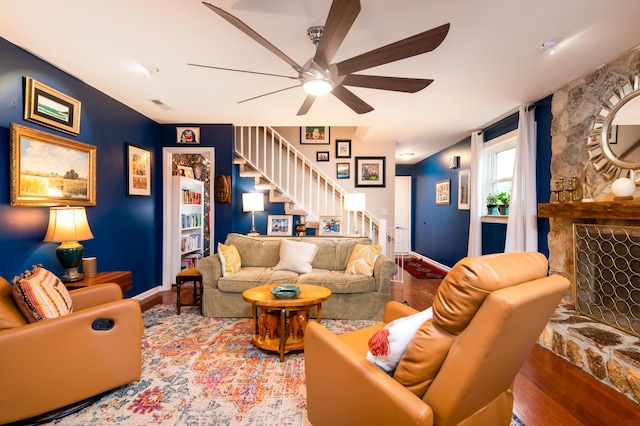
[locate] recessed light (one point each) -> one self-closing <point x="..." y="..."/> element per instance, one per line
<point x="549" y="46"/>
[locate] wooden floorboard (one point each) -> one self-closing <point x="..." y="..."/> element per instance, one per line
<point x="548" y="390"/>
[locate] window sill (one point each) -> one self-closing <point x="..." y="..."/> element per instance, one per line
<point x="495" y="218"/>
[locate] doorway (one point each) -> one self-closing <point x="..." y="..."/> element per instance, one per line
<point x="403" y="204"/>
<point x="168" y="276"/>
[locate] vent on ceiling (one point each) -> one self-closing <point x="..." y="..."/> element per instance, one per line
<point x="161" y="104"/>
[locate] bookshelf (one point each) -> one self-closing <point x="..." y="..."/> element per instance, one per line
<point x="187" y="223"/>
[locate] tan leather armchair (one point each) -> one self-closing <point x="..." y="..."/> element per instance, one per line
<point x="487" y="314"/>
<point x="57" y="362"/>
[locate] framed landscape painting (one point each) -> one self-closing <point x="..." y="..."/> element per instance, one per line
<point x="370" y="171"/>
<point x="49" y="170"/>
<point x="49" y="107"/>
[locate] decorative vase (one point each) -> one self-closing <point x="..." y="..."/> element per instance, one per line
<point x="624" y="188"/>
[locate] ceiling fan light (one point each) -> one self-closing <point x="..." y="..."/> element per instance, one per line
<point x="317" y="87"/>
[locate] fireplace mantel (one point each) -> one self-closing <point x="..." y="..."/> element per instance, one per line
<point x="629" y="210"/>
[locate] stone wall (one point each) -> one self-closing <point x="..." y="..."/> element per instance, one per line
<point x="611" y="356"/>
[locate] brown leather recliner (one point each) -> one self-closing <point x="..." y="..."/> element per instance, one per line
<point x="57" y="362"/>
<point x="459" y="367"/>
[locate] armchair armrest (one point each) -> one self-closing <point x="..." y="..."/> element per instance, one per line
<point x="344" y="388"/>
<point x="63" y="360"/>
<point x="211" y="270"/>
<point x="383" y="270"/>
<point x="95" y="295"/>
<point x="394" y="310"/>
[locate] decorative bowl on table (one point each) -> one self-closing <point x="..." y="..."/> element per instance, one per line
<point x="285" y="291"/>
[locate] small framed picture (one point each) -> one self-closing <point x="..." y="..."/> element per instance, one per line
<point x="279" y="225"/>
<point x="322" y="155"/>
<point x="343" y="148"/>
<point x="188" y="135"/>
<point x="443" y="191"/>
<point x="314" y="135"/>
<point x="343" y="170"/>
<point x="464" y="186"/>
<point x="330" y="226"/>
<point x="186" y="171"/>
<point x="138" y="171"/>
<point x="370" y="171"/>
<point x="47" y="106"/>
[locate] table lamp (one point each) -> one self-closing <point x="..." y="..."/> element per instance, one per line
<point x="355" y="202"/>
<point x="67" y="226"/>
<point x="253" y="202"/>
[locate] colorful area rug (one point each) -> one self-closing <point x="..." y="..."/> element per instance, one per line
<point x="422" y="270"/>
<point x="206" y="371"/>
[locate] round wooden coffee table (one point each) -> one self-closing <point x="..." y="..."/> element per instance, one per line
<point x="281" y="315"/>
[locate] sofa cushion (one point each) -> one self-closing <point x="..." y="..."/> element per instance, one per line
<point x="40" y="295"/>
<point x="296" y="256"/>
<point x="254" y="276"/>
<point x="10" y="315"/>
<point x="256" y="251"/>
<point x="387" y="346"/>
<point x="362" y="259"/>
<point x="339" y="282"/>
<point x="229" y="259"/>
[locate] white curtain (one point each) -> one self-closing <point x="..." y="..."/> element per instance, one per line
<point x="475" y="202"/>
<point x="522" y="225"/>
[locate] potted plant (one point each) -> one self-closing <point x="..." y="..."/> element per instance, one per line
<point x="504" y="199"/>
<point x="492" y="204"/>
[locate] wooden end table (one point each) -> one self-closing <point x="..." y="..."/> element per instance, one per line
<point x="122" y="278"/>
<point x="261" y="298"/>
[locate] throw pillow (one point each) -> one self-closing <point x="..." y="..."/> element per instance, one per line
<point x="296" y="256"/>
<point x="229" y="258"/>
<point x="362" y="259"/>
<point x="40" y="295"/>
<point x="387" y="346"/>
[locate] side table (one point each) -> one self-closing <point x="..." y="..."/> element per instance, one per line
<point x="190" y="275"/>
<point x="122" y="278"/>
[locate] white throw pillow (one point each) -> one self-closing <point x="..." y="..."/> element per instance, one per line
<point x="296" y="256"/>
<point x="387" y="346"/>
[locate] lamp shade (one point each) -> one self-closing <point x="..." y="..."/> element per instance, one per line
<point x="67" y="224"/>
<point x="252" y="202"/>
<point x="355" y="201"/>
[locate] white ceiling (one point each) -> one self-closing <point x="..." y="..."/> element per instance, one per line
<point x="489" y="64"/>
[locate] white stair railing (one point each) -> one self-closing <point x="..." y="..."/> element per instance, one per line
<point x="302" y="181"/>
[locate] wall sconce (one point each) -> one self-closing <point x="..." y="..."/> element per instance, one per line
<point x="355" y="202"/>
<point x="253" y="202"/>
<point x="454" y="161"/>
<point x="67" y="226"/>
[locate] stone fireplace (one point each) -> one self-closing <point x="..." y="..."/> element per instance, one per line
<point x="606" y="352"/>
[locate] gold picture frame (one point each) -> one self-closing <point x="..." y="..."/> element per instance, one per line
<point x="46" y="106"/>
<point x="138" y="171"/>
<point x="49" y="170"/>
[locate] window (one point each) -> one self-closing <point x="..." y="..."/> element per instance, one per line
<point x="499" y="159"/>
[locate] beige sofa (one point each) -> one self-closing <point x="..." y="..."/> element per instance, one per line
<point x="353" y="296"/>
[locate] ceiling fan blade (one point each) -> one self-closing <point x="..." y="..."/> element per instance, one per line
<point x="306" y="105"/>
<point x="411" y="46"/>
<point x="397" y="84"/>
<point x="270" y="93"/>
<point x="254" y="35"/>
<point x="351" y="100"/>
<point x="245" y="71"/>
<point x="341" y="17"/>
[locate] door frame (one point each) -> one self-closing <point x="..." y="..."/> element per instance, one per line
<point x="167" y="155"/>
<point x="407" y="233"/>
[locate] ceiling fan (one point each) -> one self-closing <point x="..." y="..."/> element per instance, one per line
<point x="319" y="76"/>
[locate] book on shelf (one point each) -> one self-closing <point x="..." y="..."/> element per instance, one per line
<point x="191" y="197"/>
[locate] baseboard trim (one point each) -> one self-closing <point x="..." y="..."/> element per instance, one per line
<point x="147" y="294"/>
<point x="431" y="262"/>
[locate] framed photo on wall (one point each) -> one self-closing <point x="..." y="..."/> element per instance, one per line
<point x="280" y="225"/>
<point x="343" y="148"/>
<point x="138" y="171"/>
<point x="370" y="171"/>
<point x="49" y="170"/>
<point x="322" y="155"/>
<point x="48" y="107"/>
<point x="330" y="226"/>
<point x="315" y="135"/>
<point x="188" y="135"/>
<point x="464" y="188"/>
<point x="343" y="171"/>
<point x="443" y="192"/>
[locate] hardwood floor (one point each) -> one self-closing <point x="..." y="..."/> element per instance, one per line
<point x="549" y="391"/>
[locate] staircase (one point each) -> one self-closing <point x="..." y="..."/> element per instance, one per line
<point x="293" y="179"/>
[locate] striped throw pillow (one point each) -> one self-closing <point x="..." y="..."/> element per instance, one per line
<point x="41" y="295"/>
